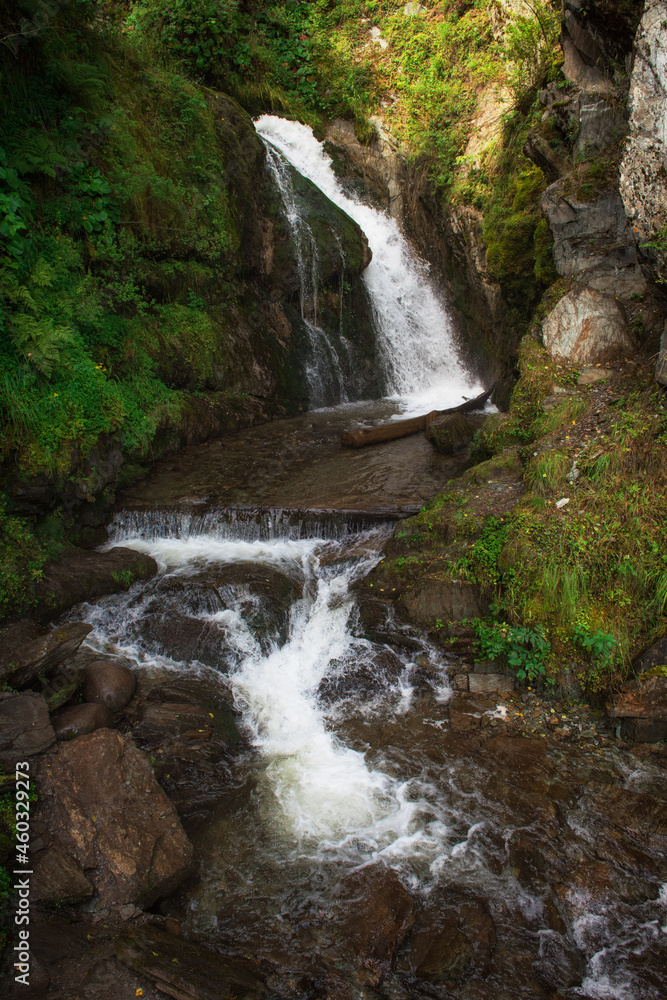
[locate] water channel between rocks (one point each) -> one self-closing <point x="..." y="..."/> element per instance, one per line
<point x="355" y="842"/>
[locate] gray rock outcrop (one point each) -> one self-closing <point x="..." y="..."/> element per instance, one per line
<point x="643" y="173"/>
<point x="593" y="241"/>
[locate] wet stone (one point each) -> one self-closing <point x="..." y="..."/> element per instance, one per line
<point x="100" y="795"/>
<point x="184" y="969"/>
<point x="76" y="720"/>
<point x="30" y="651"/>
<point x="109" y="683"/>
<point x="25" y="727"/>
<point x="377" y="912"/>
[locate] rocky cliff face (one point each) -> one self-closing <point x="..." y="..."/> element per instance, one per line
<point x="232" y="351"/>
<point x="600" y="145"/>
<point x="643" y="171"/>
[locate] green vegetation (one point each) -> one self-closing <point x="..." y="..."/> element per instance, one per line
<point x="590" y="576"/>
<point x="523" y="649"/>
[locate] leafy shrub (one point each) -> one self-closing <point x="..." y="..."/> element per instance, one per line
<point x="523" y="648"/>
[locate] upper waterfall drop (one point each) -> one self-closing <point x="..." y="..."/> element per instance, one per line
<point x="415" y="332"/>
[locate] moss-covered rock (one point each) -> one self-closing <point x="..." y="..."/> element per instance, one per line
<point x="451" y="433"/>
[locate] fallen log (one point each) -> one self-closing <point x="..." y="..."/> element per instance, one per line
<point x="403" y="428"/>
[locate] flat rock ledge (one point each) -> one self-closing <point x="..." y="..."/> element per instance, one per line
<point x="83" y="575"/>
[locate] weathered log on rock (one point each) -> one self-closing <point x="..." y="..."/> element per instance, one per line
<point x="403" y="428"/>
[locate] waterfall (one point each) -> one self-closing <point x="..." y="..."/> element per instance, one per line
<point x="323" y="366"/>
<point x="415" y="332"/>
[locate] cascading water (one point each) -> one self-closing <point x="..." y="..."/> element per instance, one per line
<point x="352" y="770"/>
<point x="352" y="764"/>
<point x="323" y="367"/>
<point x="415" y="331"/>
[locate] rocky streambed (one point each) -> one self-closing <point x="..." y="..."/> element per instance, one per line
<point x="255" y="779"/>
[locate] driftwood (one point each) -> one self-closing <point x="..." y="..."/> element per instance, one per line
<point x="403" y="428"/>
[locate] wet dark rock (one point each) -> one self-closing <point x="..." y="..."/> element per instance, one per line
<point x="190" y="733"/>
<point x="183" y="638"/>
<point x="100" y="795"/>
<point x="454" y="935"/>
<point x="452" y="432"/>
<point x="642" y="707"/>
<point x="25" y="727"/>
<point x="58" y="878"/>
<point x="77" y="720"/>
<point x="362" y="679"/>
<point x="174" y="718"/>
<point x="656" y="656"/>
<point x="560" y="963"/>
<point x="183" y="969"/>
<point x="81" y="575"/>
<point x="464" y="714"/>
<point x="30" y="651"/>
<point x="432" y="598"/>
<point x="109" y="683"/>
<point x="437" y="954"/>
<point x="526" y="857"/>
<point x="644" y="730"/>
<point x="376" y="913"/>
<point x="263" y="580"/>
<point x="604" y="882"/>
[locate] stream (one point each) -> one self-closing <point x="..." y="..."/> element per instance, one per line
<point x="361" y="847"/>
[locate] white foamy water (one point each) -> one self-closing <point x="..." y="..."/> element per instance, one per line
<point x="415" y="331"/>
<point x="326" y="796"/>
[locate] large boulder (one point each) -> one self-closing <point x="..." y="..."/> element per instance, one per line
<point x="588" y="328"/>
<point x="30" y="651"/>
<point x="81" y="575"/>
<point x="100" y="795"/>
<point x="25" y="729"/>
<point x="108" y="683"/>
<point x="451" y="433"/>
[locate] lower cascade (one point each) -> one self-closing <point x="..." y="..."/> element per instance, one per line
<point x="352" y="811"/>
